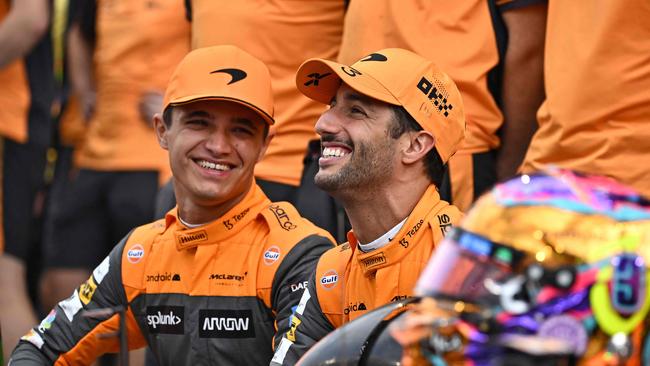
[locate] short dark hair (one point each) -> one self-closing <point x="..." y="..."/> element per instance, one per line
<point x="167" y="118"/>
<point x="433" y="164"/>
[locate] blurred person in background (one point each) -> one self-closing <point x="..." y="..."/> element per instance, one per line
<point x="120" y="56"/>
<point x="596" y="116"/>
<point x="492" y="49"/>
<point x="25" y="133"/>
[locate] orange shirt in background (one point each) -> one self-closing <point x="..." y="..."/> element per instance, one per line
<point x="458" y="36"/>
<point x="282" y="34"/>
<point x="14" y="95"/>
<point x="596" y="117"/>
<point x="138" y="45"/>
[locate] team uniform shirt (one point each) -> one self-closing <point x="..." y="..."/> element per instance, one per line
<point x="214" y="294"/>
<point x="137" y="47"/>
<point x="348" y="283"/>
<point x="596" y="116"/>
<point x="14" y="95"/>
<point x="466" y="39"/>
<point x="282" y="34"/>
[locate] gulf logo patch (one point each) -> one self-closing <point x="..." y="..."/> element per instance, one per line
<point x="135" y="253"/>
<point x="329" y="279"/>
<point x="271" y="255"/>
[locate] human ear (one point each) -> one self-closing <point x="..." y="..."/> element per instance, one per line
<point x="418" y="145"/>
<point x="161" y="130"/>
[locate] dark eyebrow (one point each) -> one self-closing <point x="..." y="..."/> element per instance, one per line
<point x="246" y="122"/>
<point x="195" y="114"/>
<point x="357" y="97"/>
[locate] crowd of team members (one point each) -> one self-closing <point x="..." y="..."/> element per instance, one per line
<point x="399" y="140"/>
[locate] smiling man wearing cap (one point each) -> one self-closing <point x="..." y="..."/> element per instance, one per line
<point x="215" y="281"/>
<point x="394" y="120"/>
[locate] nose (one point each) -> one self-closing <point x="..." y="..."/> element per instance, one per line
<point x="328" y="123"/>
<point x="218" y="142"/>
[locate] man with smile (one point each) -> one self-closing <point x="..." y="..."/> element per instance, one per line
<point x="394" y="120"/>
<point x="216" y="280"/>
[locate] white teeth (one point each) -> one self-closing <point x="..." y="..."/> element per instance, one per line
<point x="214" y="166"/>
<point x="329" y="152"/>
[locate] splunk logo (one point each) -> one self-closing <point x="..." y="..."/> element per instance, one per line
<point x="165" y="319"/>
<point x="226" y="324"/>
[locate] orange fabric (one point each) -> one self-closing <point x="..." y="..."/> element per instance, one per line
<point x="385" y="274"/>
<point x="596" y="117"/>
<point x="461" y="176"/>
<point x="222" y="73"/>
<point x="14" y="96"/>
<point x="398" y="77"/>
<point x="72" y="128"/>
<point x="138" y="45"/>
<point x="228" y="246"/>
<point x="282" y="34"/>
<point x="458" y="37"/>
<point x="93" y="344"/>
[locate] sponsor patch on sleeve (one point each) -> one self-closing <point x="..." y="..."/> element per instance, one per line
<point x="135" y="253"/>
<point x="329" y="279"/>
<point x="87" y="290"/>
<point x="102" y="269"/>
<point x="71" y="305"/>
<point x="33" y="338"/>
<point x="47" y="322"/>
<point x="271" y="255"/>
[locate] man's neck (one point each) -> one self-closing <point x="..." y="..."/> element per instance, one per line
<point x="371" y="217"/>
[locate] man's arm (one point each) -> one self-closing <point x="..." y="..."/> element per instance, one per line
<point x="80" y="57"/>
<point x="308" y="325"/>
<point x="69" y="334"/>
<point x="23" y="26"/>
<point x="523" y="84"/>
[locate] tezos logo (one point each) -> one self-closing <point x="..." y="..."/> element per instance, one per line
<point x="165" y="319"/>
<point x="329" y="279"/>
<point x="226" y="324"/>
<point x="271" y="255"/>
<point x="135" y="253"/>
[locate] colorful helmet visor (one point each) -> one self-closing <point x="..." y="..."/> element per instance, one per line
<point x="464" y="268"/>
<point x="574" y="192"/>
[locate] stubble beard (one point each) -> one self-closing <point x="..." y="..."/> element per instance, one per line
<point x="368" y="166"/>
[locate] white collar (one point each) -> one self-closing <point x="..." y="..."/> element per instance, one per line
<point x="382" y="240"/>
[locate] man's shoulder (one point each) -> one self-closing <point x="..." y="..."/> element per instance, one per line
<point x="287" y="226"/>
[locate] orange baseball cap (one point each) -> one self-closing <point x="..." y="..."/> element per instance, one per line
<point x="398" y="77"/>
<point x="222" y="73"/>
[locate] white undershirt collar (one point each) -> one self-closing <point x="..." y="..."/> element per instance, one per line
<point x="382" y="240"/>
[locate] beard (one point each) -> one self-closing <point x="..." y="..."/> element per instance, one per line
<point x="369" y="165"/>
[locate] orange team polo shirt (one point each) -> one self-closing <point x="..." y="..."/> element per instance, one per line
<point x="138" y="45"/>
<point x="14" y="95"/>
<point x="596" y="117"/>
<point x="282" y="34"/>
<point x="458" y="36"/>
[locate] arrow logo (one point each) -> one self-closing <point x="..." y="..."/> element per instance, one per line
<point x="235" y="74"/>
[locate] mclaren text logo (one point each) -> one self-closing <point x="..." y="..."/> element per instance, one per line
<point x="135" y="253"/>
<point x="227" y="277"/>
<point x="282" y="217"/>
<point x="189" y="238"/>
<point x="226" y="324"/>
<point x="329" y="279"/>
<point x="165" y="319"/>
<point x="271" y="255"/>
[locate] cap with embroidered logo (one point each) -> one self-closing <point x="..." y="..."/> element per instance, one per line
<point x="398" y="77"/>
<point x="222" y="73"/>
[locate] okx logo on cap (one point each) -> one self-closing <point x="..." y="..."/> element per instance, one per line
<point x="398" y="77"/>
